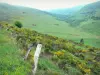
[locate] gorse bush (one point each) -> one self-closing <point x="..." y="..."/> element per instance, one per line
<point x="59" y="53"/>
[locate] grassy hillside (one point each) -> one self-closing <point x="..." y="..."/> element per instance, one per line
<point x="44" y="23"/>
<point x="58" y="56"/>
<point x="87" y="17"/>
<point x="92" y="21"/>
<point x="11" y="62"/>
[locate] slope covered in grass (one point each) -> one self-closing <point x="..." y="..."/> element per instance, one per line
<point x="11" y="58"/>
<point x="58" y="56"/>
<point x="43" y="22"/>
<point x="86" y="19"/>
<point x="11" y="62"/>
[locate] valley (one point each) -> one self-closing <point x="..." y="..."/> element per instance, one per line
<point x="70" y="39"/>
<point x="47" y="24"/>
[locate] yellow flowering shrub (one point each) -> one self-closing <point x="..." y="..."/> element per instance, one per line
<point x="84" y="51"/>
<point x="85" y="70"/>
<point x="80" y="66"/>
<point x="59" y="53"/>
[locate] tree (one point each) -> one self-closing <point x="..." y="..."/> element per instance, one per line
<point x="82" y="41"/>
<point x="18" y="24"/>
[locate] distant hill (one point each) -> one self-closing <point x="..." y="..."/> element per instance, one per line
<point x="90" y="15"/>
<point x="9" y="12"/>
<point x="90" y="11"/>
<point x="87" y="18"/>
<point x="65" y="11"/>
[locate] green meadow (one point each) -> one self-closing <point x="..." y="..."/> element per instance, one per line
<point x="61" y="29"/>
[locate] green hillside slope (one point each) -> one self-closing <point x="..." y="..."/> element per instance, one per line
<point x="92" y="21"/>
<point x="43" y="22"/>
<point x="58" y="56"/>
<point x="88" y="18"/>
<point x="11" y="62"/>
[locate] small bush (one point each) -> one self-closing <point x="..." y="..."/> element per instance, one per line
<point x="74" y="71"/>
<point x="18" y="24"/>
<point x="55" y="58"/>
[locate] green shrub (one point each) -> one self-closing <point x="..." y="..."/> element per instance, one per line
<point x="55" y="58"/>
<point x="74" y="71"/>
<point x="18" y="24"/>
